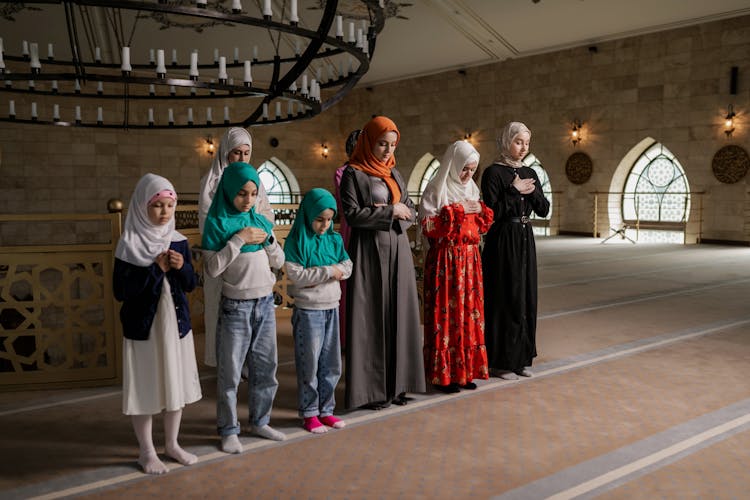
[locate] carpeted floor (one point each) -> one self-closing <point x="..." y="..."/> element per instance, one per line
<point x="641" y="390"/>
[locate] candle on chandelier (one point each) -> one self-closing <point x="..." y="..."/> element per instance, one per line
<point x="201" y="3"/>
<point x="56" y="113"/>
<point x="226" y="115"/>
<point x="194" y="66"/>
<point x="54" y="86"/>
<point x="248" y="79"/>
<point x="170" y="116"/>
<point x="25" y="49"/>
<point x="174" y="57"/>
<point x="100" y="88"/>
<point x="50" y="52"/>
<point x="98" y="55"/>
<point x="12" y="109"/>
<point x="190" y="116"/>
<point x="126" y="67"/>
<point x="99" y="115"/>
<point x="152" y="57"/>
<point x="267" y="12"/>
<point x="278" y="109"/>
<point x="290" y="108"/>
<point x="255" y="53"/>
<point x="304" y="84"/>
<point x="236" y="6"/>
<point x="340" y="27"/>
<point x="150" y="117"/>
<point x="36" y="66"/>
<point x="78" y="115"/>
<point x="209" y="116"/>
<point x="222" y="70"/>
<point x="352" y="39"/>
<point x="265" y="111"/>
<point x="161" y="69"/>
<point x="236" y="55"/>
<point x="293" y="15"/>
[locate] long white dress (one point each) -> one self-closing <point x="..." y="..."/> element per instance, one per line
<point x="160" y="373"/>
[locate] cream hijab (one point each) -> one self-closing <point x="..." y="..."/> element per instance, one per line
<point x="446" y="187"/>
<point x="509" y="132"/>
<point x="141" y="241"/>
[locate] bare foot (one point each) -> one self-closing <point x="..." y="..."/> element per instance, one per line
<point x="181" y="455"/>
<point x="151" y="464"/>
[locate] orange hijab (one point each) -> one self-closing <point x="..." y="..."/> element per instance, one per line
<point x="363" y="159"/>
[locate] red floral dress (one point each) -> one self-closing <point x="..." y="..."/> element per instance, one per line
<point x="454" y="349"/>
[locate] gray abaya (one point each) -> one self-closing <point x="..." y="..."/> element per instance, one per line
<point x="383" y="333"/>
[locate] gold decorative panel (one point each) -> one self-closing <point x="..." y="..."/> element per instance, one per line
<point x="57" y="318"/>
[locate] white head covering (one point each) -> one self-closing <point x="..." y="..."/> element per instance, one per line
<point x="509" y="132"/>
<point x="141" y="241"/>
<point x="446" y="187"/>
<point x="234" y="137"/>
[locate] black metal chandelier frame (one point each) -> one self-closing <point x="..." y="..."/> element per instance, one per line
<point x="282" y="85"/>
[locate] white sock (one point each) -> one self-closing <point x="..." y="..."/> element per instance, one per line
<point x="231" y="444"/>
<point x="265" y="431"/>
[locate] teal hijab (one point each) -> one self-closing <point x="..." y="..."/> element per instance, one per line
<point x="303" y="245"/>
<point x="223" y="219"/>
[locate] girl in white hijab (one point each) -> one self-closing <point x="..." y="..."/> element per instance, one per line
<point x="152" y="274"/>
<point x="452" y="218"/>
<point x="236" y="145"/>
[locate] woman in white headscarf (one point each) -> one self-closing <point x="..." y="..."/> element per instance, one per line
<point x="452" y="219"/>
<point x="513" y="191"/>
<point x="236" y="145"/>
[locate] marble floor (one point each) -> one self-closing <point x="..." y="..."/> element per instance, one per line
<point x="641" y="390"/>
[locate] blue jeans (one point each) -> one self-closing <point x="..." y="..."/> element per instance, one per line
<point x="246" y="332"/>
<point x="317" y="357"/>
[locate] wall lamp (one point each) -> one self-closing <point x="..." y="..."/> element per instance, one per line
<point x="575" y="132"/>
<point x="729" y="121"/>
<point x="209" y="145"/>
<point x="324" y="150"/>
<point x="467" y="135"/>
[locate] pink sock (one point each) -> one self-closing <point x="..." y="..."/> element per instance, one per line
<point x="312" y="424"/>
<point x="334" y="422"/>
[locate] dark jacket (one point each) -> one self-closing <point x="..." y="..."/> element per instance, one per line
<point x="139" y="289"/>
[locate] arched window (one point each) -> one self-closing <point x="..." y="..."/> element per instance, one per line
<point x="533" y="162"/>
<point x="657" y="195"/>
<point x="279" y="182"/>
<point x="429" y="173"/>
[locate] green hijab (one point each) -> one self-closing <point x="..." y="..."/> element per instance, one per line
<point x="223" y="219"/>
<point x="303" y="245"/>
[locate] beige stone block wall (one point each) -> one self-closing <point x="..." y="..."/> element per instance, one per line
<point x="672" y="86"/>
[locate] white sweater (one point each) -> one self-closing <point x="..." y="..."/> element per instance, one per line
<point x="245" y="275"/>
<point x="315" y="287"/>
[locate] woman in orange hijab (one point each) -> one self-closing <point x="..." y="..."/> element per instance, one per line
<point x="383" y="334"/>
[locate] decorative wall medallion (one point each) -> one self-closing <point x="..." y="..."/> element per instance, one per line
<point x="730" y="164"/>
<point x="578" y="168"/>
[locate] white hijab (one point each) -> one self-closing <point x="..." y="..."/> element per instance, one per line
<point x="141" y="241"/>
<point x="509" y="132"/>
<point x="446" y="187"/>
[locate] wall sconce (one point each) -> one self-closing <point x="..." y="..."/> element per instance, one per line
<point x="729" y="121"/>
<point x="467" y="135"/>
<point x="324" y="150"/>
<point x="575" y="132"/>
<point x="209" y="145"/>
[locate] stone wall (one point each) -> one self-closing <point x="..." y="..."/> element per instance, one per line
<point x="672" y="86"/>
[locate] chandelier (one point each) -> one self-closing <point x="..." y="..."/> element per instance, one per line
<point x="181" y="63"/>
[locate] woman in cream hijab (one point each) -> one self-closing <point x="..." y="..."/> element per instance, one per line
<point x="452" y="219"/>
<point x="236" y="145"/>
<point x="513" y="191"/>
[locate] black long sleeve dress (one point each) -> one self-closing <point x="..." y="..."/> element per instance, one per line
<point x="509" y="267"/>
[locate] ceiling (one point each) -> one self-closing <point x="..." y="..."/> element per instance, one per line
<point x="440" y="35"/>
<point x="420" y="36"/>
